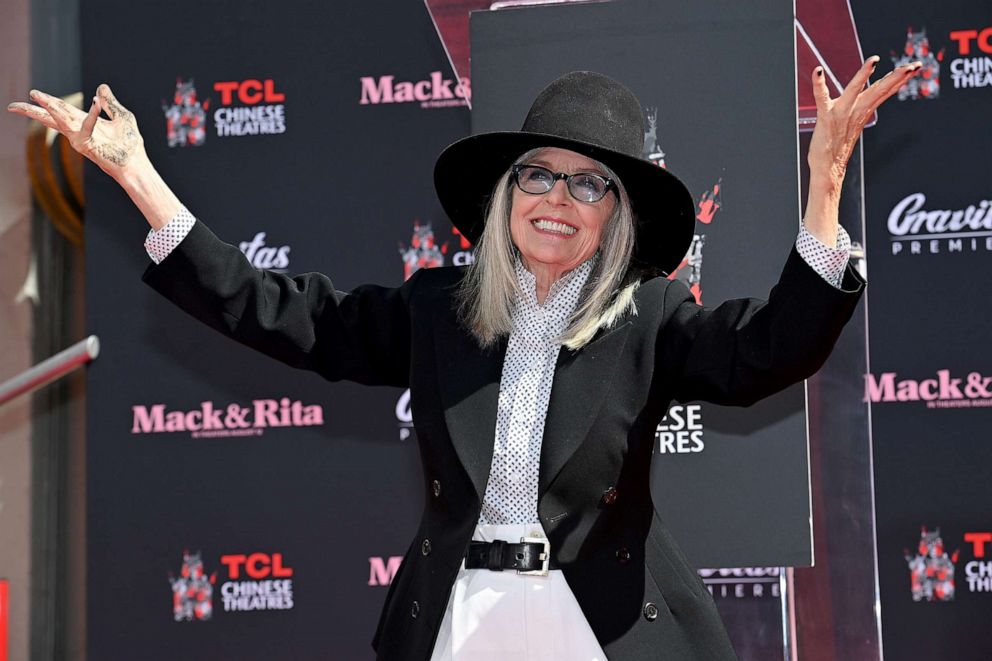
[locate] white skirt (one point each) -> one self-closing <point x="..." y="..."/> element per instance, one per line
<point x="499" y="615"/>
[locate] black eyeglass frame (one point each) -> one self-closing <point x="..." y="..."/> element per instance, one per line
<point x="555" y="176"/>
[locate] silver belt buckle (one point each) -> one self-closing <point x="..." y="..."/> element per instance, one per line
<point x="545" y="557"/>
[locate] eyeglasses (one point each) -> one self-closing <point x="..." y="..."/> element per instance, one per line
<point x="583" y="186"/>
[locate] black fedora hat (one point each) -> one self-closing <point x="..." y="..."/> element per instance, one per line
<point x="593" y="115"/>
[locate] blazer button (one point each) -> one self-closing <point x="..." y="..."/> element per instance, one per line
<point x="650" y="612"/>
<point x="415" y="610"/>
<point x="610" y="496"/>
<point x="425" y="547"/>
<point x="623" y="555"/>
<point x="436" y="487"/>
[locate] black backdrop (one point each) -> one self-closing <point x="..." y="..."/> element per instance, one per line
<point x="342" y="186"/>
<point x="929" y="312"/>
<point x="345" y="187"/>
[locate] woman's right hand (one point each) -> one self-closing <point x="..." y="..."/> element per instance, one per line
<point x="115" y="144"/>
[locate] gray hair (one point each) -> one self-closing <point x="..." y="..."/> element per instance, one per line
<point x="486" y="295"/>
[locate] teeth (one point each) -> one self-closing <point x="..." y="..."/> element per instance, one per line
<point x="551" y="226"/>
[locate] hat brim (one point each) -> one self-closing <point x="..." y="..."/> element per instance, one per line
<point x="467" y="171"/>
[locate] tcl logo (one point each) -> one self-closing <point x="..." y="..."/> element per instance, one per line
<point x="982" y="39"/>
<point x="978" y="541"/>
<point x="249" y="92"/>
<point x="256" y="566"/>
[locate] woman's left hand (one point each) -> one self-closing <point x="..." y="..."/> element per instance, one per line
<point x="840" y="121"/>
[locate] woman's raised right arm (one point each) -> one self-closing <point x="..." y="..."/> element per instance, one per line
<point x="362" y="335"/>
<point x="114" y="144"/>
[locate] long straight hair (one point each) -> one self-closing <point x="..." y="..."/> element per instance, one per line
<point x="486" y="295"/>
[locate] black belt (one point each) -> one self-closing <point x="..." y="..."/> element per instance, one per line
<point x="532" y="555"/>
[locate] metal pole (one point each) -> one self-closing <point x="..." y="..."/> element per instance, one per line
<point x="50" y="369"/>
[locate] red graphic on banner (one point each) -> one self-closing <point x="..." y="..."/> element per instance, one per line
<point x="186" y="116"/>
<point x="423" y="251"/>
<point x="709" y="203"/>
<point x="931" y="570"/>
<point x="463" y="243"/>
<point x="690" y="270"/>
<point x="192" y="591"/>
<point x="925" y="85"/>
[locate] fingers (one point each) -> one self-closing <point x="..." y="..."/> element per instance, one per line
<point x="60" y="111"/>
<point x="821" y="94"/>
<point x="109" y="102"/>
<point x="860" y="79"/>
<point x="90" y="120"/>
<point x="889" y="84"/>
<point x="33" y="112"/>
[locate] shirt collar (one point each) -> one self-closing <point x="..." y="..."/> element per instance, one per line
<point x="561" y="298"/>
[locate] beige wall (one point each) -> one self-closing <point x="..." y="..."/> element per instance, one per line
<point x="15" y="324"/>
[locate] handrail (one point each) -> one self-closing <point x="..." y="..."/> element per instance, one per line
<point x="50" y="369"/>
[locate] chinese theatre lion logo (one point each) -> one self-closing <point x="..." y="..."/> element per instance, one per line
<point x="652" y="151"/>
<point x="931" y="570"/>
<point x="186" y="117"/>
<point x="690" y="270"/>
<point x="423" y="251"/>
<point x="192" y="591"/>
<point x="927" y="84"/>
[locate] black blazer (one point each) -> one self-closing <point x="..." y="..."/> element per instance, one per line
<point x="606" y="401"/>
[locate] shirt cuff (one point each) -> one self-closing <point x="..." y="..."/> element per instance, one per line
<point x="829" y="262"/>
<point x="159" y="243"/>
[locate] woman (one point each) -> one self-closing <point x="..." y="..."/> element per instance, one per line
<point x="539" y="374"/>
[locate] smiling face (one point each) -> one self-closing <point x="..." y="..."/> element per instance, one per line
<point x="554" y="231"/>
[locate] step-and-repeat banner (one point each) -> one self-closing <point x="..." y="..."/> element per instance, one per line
<point x="241" y="509"/>
<point x="929" y="228"/>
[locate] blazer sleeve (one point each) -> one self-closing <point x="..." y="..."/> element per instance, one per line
<point x="747" y="349"/>
<point x="303" y="321"/>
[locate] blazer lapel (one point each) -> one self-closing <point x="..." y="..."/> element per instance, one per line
<point x="469" y="385"/>
<point x="582" y="381"/>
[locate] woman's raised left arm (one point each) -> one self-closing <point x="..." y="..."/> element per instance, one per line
<point x="839" y="123"/>
<point x="746" y="349"/>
